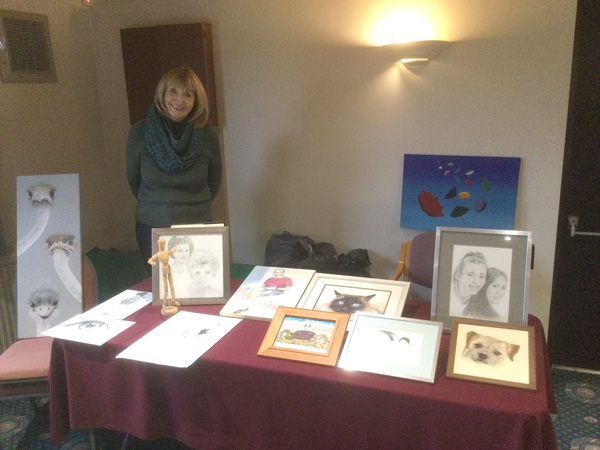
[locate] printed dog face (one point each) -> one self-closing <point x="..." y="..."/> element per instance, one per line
<point x="488" y="350"/>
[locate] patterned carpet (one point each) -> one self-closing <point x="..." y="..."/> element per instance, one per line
<point x="577" y="424"/>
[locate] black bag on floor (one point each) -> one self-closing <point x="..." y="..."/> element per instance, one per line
<point x="354" y="263"/>
<point x="287" y="250"/>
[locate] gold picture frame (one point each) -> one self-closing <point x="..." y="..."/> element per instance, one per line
<point x="492" y="352"/>
<point x="305" y="335"/>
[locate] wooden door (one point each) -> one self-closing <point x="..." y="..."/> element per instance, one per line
<point x="574" y="331"/>
<point x="150" y="52"/>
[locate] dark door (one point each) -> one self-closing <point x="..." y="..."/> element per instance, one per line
<point x="574" y="331"/>
<point x="149" y="52"/>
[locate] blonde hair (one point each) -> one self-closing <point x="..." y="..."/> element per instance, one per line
<point x="470" y="257"/>
<point x="186" y="78"/>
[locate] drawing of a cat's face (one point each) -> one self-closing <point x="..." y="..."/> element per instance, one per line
<point x="348" y="303"/>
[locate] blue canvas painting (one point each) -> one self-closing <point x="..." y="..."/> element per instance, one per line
<point x="459" y="191"/>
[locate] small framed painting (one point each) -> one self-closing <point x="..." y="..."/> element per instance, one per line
<point x="405" y="348"/>
<point x="198" y="263"/>
<point x="492" y="352"/>
<point x="303" y="335"/>
<point x="481" y="274"/>
<point x="349" y="295"/>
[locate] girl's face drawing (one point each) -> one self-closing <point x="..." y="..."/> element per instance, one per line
<point x="496" y="290"/>
<point x="471" y="279"/>
<point x="183" y="251"/>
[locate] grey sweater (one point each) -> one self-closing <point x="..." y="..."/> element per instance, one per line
<point x="169" y="199"/>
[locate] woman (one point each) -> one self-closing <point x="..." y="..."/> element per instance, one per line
<point x="173" y="158"/>
<point x="480" y="305"/>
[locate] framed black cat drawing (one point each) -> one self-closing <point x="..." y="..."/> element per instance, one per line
<point x="347" y="294"/>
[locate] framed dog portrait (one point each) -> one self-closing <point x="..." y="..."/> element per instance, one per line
<point x="196" y="259"/>
<point x="349" y="295"/>
<point x="405" y="348"/>
<point x="302" y="335"/>
<point x="481" y="274"/>
<point x="492" y="352"/>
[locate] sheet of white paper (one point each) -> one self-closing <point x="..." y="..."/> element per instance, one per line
<point x="181" y="340"/>
<point x="122" y="305"/>
<point x="89" y="329"/>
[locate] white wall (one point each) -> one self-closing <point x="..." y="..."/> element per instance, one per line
<point x="54" y="128"/>
<point x="316" y="121"/>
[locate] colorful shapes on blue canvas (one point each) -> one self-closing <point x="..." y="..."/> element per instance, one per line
<point x="487" y="184"/>
<point x="479" y="205"/>
<point x="459" y="211"/>
<point x="451" y="193"/>
<point x="485" y="188"/>
<point x="430" y="204"/>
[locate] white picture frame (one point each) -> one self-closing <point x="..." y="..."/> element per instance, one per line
<point x="404" y="348"/>
<point x="336" y="293"/>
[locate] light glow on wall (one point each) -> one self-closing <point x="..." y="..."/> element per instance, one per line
<point x="402" y="27"/>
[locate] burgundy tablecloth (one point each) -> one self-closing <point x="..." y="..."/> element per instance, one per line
<point x="232" y="398"/>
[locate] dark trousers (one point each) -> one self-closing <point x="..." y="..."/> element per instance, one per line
<point x="143" y="235"/>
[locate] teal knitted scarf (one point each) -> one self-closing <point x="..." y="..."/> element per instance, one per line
<point x="175" y="146"/>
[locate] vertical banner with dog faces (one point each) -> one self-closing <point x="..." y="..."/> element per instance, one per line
<point x="48" y="252"/>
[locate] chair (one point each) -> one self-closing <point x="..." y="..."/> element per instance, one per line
<point x="416" y="260"/>
<point x="107" y="273"/>
<point x="24" y="370"/>
<point x="25" y="363"/>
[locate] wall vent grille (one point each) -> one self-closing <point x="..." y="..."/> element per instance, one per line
<point x="25" y="48"/>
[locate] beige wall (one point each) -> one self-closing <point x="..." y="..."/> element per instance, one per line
<point x="315" y="120"/>
<point x="55" y="128"/>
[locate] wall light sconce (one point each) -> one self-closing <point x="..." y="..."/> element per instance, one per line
<point x="415" y="53"/>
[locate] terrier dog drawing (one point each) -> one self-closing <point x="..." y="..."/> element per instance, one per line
<point x="488" y="350"/>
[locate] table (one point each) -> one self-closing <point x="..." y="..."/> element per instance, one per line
<point x="233" y="399"/>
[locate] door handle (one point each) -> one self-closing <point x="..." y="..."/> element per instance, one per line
<point x="573" y="222"/>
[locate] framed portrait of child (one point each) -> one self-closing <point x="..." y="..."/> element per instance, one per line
<point x="197" y="271"/>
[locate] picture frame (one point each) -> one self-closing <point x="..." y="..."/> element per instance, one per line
<point x="265" y="289"/>
<point x="305" y="335"/>
<point x="404" y="348"/>
<point x="350" y="294"/>
<point x="201" y="271"/>
<point x="492" y="352"/>
<point x="496" y="266"/>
